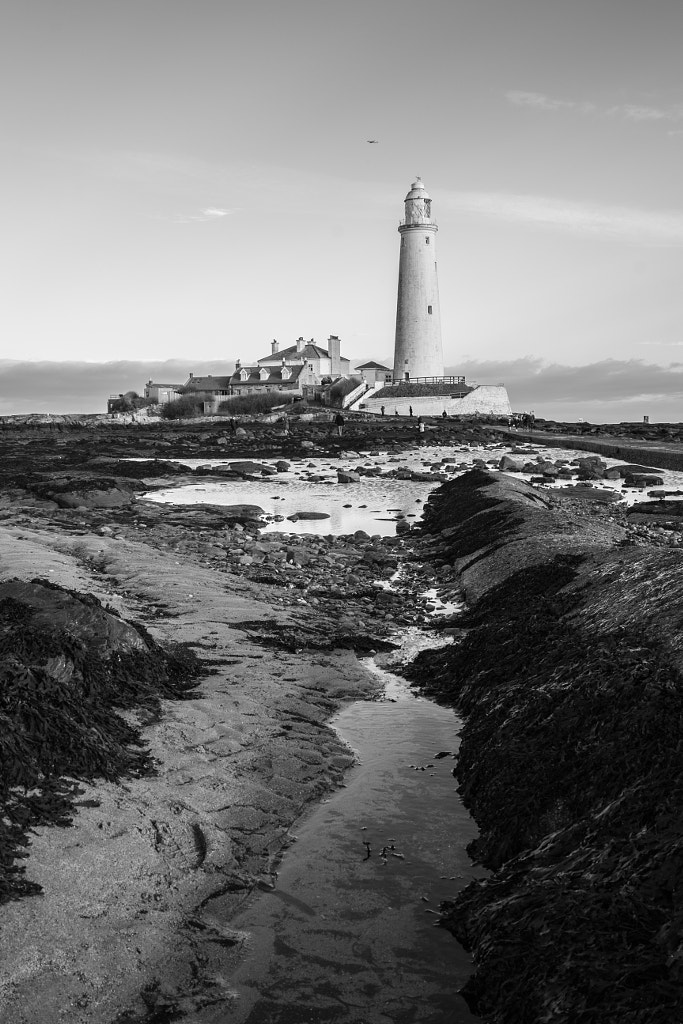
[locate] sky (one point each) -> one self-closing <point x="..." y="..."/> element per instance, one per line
<point x="185" y="180"/>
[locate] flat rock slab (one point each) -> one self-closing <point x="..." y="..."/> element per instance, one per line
<point x="579" y="493"/>
<point x="668" y="509"/>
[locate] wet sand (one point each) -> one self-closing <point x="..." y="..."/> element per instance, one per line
<point x="115" y="929"/>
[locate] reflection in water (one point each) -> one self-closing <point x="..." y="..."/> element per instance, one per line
<point x="348" y="935"/>
<point x="376" y="502"/>
<point x="377" y="497"/>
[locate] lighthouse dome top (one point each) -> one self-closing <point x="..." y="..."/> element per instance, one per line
<point x="417" y="190"/>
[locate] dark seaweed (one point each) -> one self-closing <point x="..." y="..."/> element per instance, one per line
<point x="59" y="697"/>
<point x="572" y="764"/>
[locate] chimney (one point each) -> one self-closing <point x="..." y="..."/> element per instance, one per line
<point x="300" y="344"/>
<point x="333" y="350"/>
<point x="238" y="365"/>
<point x="191" y="376"/>
<point x="273" y="346"/>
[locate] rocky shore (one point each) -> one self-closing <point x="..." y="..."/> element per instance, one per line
<point x="183" y="665"/>
<point x="569" y="678"/>
<point x="167" y="680"/>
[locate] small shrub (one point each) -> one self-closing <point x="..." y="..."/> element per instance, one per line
<point x="129" y="402"/>
<point x="183" y="408"/>
<point x="244" y="404"/>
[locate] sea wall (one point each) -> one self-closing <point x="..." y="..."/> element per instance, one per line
<point x="484" y="400"/>
<point x="569" y="678"/>
<point x="658" y="456"/>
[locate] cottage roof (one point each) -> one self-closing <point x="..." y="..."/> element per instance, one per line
<point x="309" y="351"/>
<point x="274" y="374"/>
<point x="372" y="365"/>
<point x="208" y="383"/>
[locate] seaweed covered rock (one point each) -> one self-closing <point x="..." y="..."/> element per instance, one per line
<point x="88" y="492"/>
<point x="67" y="667"/>
<point x="570" y="678"/>
<point x="489" y="525"/>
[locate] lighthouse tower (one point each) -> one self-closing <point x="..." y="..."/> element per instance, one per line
<point x="418" y="351"/>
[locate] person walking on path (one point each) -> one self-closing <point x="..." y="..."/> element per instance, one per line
<point x="339" y="420"/>
<point x="382" y="410"/>
<point x="410" y="411"/>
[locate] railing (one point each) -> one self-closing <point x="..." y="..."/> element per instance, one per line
<point x="426" y="380"/>
<point x="354" y="395"/>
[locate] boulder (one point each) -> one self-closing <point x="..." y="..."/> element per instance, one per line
<point x="89" y="493"/>
<point x="508" y="465"/>
<point x="643" y="480"/>
<point x="629" y="468"/>
<point x="347" y="477"/>
<point x="241" y="514"/>
<point x="307" y="515"/>
<point x="298" y="556"/>
<point x="250" y="468"/>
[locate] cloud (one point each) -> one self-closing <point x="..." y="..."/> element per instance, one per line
<point x="532" y="382"/>
<point x="80" y="387"/>
<point x="540" y="102"/>
<point x="631" y="224"/>
<point x="211" y="213"/>
<point x="605" y="391"/>
<point x="624" y="111"/>
<point x="633" y="112"/>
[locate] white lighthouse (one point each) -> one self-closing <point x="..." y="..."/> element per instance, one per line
<point x="418" y="351"/>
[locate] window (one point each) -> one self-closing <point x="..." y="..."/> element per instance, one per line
<point x="429" y="309"/>
<point x="427" y="240"/>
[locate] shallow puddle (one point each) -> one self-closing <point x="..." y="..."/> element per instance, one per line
<point x="348" y="934"/>
<point x="375" y="504"/>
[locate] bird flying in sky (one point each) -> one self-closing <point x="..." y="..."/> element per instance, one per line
<point x="373" y="142"/>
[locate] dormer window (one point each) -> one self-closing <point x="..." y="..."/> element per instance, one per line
<point x="244" y="374"/>
<point x="263" y="373"/>
<point x="285" y="373"/>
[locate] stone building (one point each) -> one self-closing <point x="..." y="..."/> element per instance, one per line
<point x="161" y="394"/>
<point x="372" y="372"/>
<point x="292" y="369"/>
